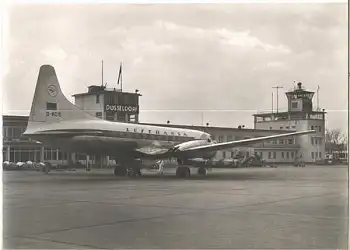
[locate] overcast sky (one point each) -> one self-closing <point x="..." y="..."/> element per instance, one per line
<point x="223" y="59"/>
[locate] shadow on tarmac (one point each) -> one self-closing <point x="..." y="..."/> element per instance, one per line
<point x="108" y="176"/>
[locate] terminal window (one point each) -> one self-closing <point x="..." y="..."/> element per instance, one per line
<point x="99" y="115"/>
<point x="294" y="105"/>
<point x="97" y="98"/>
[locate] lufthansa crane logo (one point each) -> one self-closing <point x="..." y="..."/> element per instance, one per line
<point x="52" y="90"/>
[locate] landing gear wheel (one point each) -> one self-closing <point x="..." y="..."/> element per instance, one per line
<point x="183" y="172"/>
<point x="120" y="171"/>
<point x="133" y="172"/>
<point x="202" y="171"/>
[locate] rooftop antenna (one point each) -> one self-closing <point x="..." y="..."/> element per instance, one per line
<point x="277" y="87"/>
<point x="102" y="75"/>
<point x="318" y="88"/>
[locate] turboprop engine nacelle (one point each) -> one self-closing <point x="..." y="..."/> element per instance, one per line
<point x="191" y="144"/>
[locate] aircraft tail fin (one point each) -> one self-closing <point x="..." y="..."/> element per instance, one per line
<point x="49" y="103"/>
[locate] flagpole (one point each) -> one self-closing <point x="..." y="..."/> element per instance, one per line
<point x="318" y="88"/>
<point x="121" y="77"/>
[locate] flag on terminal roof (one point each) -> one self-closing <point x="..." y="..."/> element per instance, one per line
<point x="119" y="74"/>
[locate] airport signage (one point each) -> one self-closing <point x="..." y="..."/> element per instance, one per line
<point x="121" y="108"/>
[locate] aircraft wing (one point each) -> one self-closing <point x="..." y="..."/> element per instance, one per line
<point x="238" y="143"/>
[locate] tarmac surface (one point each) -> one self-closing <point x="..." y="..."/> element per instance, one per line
<point x="283" y="207"/>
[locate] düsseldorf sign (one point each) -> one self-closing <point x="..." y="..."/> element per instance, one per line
<point x="121" y="108"/>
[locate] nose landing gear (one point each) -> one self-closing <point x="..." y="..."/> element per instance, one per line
<point x="129" y="168"/>
<point x="202" y="171"/>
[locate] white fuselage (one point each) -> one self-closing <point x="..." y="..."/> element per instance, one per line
<point x="100" y="136"/>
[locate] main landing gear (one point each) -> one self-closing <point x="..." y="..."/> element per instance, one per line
<point x="120" y="171"/>
<point x="183" y="172"/>
<point x="132" y="171"/>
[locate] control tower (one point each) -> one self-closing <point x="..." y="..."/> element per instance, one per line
<point x="109" y="104"/>
<point x="300" y="116"/>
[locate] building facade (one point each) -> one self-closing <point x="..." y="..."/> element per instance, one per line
<point x="270" y="151"/>
<point x="19" y="149"/>
<point x="299" y="116"/>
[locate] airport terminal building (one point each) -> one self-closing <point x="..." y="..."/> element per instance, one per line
<point x="115" y="105"/>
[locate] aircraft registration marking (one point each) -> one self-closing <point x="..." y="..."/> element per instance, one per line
<point x="53" y="113"/>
